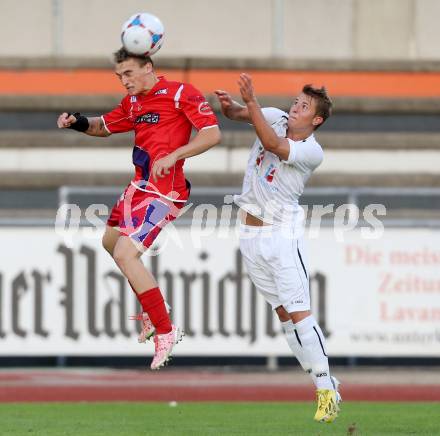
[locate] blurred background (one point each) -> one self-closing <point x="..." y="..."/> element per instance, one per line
<point x="376" y="294"/>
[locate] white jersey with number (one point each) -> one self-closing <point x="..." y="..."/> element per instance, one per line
<point x="271" y="186"/>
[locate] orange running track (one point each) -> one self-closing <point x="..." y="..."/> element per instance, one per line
<point x="178" y="385"/>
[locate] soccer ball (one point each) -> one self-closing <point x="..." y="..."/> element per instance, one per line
<point x="142" y="34"/>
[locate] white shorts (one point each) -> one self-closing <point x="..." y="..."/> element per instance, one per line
<point x="277" y="265"/>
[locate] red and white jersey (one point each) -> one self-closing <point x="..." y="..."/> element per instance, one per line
<point x="162" y="120"/>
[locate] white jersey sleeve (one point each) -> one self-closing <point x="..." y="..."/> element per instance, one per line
<point x="273" y="115"/>
<point x="306" y="155"/>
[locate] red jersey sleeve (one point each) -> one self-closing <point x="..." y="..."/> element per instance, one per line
<point x="118" y="120"/>
<point x="196" y="108"/>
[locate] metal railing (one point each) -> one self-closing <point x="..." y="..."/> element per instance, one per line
<point x="353" y="197"/>
<point x="405" y="198"/>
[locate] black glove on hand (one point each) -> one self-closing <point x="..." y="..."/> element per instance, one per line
<point x="81" y="124"/>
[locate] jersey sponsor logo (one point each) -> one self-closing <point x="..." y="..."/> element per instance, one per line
<point x="270" y="173"/>
<point x="260" y="157"/>
<point x="321" y="374"/>
<point x="267" y="185"/>
<point x="150" y="118"/>
<point x="205" y="109"/>
<point x="196" y="99"/>
<point x="161" y="91"/>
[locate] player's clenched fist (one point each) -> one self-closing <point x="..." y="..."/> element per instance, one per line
<point x="65" y="120"/>
<point x="161" y="167"/>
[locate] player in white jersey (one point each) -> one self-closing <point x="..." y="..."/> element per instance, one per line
<point x="281" y="161"/>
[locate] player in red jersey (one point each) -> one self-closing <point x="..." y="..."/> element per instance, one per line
<point x="162" y="114"/>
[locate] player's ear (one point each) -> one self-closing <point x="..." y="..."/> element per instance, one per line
<point x="148" y="67"/>
<point x="317" y="121"/>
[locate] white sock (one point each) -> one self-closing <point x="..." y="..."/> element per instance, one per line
<point x="298" y="351"/>
<point x="313" y="344"/>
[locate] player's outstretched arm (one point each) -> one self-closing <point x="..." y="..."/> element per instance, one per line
<point x="271" y="142"/>
<point x="93" y="126"/>
<point x="230" y="108"/>
<point x="202" y="141"/>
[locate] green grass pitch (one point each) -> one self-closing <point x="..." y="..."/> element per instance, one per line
<point x="193" y="419"/>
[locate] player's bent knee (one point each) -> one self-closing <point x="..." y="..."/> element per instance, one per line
<point x="120" y="257"/>
<point x="109" y="239"/>
<point x="123" y="257"/>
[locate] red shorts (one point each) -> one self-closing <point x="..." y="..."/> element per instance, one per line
<point x="142" y="215"/>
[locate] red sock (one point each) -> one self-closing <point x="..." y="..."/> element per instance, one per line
<point x="152" y="302"/>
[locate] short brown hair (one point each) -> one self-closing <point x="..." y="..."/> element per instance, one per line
<point x="122" y="55"/>
<point x="323" y="103"/>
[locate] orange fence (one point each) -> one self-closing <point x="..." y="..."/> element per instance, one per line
<point x="350" y="84"/>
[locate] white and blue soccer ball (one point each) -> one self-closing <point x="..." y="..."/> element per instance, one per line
<point x="142" y="34"/>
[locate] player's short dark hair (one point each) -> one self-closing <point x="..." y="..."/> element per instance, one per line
<point x="323" y="103"/>
<point x="123" y="55"/>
